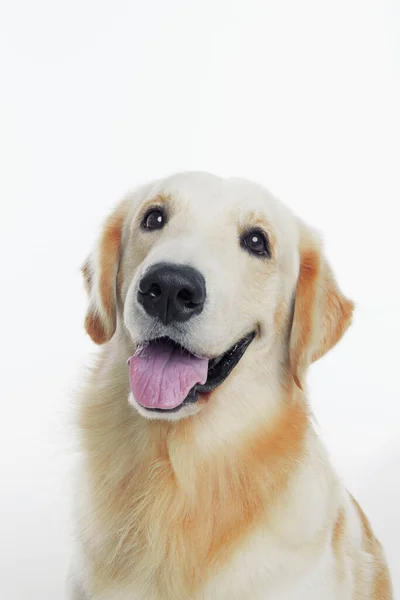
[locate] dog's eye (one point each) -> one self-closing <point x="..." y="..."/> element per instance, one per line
<point x="154" y="219"/>
<point x="256" y="242"/>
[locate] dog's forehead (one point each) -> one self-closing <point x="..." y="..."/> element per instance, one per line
<point x="194" y="188"/>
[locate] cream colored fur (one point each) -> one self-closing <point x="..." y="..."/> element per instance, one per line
<point x="235" y="498"/>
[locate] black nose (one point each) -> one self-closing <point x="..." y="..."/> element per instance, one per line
<point x="172" y="293"/>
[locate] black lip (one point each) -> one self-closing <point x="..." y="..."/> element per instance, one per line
<point x="218" y="370"/>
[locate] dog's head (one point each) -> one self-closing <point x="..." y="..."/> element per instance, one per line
<point x="199" y="274"/>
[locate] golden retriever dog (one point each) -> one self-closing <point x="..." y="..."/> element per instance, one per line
<point x="202" y="476"/>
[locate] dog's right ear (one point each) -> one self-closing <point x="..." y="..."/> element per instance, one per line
<point x="100" y="273"/>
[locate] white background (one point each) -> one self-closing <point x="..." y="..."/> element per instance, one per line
<point x="97" y="96"/>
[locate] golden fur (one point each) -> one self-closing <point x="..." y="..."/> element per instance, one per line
<point x="168" y="507"/>
<point x="211" y="503"/>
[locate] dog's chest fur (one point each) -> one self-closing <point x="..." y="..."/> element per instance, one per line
<point x="161" y="524"/>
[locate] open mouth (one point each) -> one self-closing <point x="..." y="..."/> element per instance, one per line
<point x="164" y="376"/>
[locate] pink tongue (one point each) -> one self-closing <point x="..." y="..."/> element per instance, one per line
<point x="162" y="375"/>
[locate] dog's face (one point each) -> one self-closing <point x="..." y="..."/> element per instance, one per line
<point x="201" y="271"/>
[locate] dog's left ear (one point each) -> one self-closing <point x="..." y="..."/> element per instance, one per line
<point x="321" y="312"/>
<point x="100" y="274"/>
